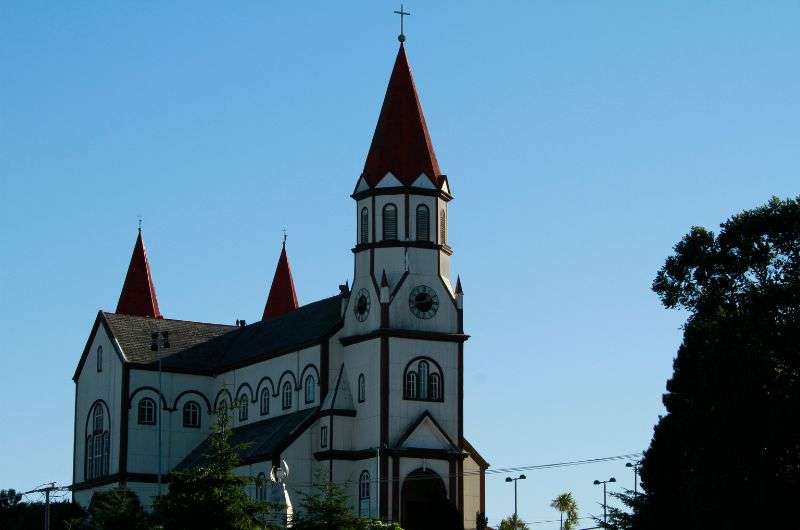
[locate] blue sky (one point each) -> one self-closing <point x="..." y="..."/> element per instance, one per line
<point x="581" y="140"/>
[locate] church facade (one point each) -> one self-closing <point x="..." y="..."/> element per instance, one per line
<point x="364" y="388"/>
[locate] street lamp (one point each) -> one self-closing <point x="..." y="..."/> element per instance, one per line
<point x="514" y="480"/>
<point x="605" y="499"/>
<point x="635" y="466"/>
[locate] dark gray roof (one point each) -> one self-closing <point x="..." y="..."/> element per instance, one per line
<point x="203" y="347"/>
<point x="264" y="439"/>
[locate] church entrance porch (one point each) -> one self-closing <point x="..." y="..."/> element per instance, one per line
<point x="425" y="505"/>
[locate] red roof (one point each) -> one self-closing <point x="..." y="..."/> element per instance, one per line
<point x="138" y="296"/>
<point x="282" y="295"/>
<point x="401" y="143"/>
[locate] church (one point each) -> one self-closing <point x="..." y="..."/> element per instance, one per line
<point x="364" y="388"/>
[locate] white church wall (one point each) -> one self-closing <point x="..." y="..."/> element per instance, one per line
<point x="472" y="492"/>
<point x="400" y="316"/>
<point x="176" y="440"/>
<point x="402" y="412"/>
<point x="364" y="357"/>
<point x="390" y="259"/>
<point x="93" y="386"/>
<point x="352" y="326"/>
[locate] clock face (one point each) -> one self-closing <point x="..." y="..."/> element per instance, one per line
<point x="361" y="307"/>
<point x="423" y="301"/>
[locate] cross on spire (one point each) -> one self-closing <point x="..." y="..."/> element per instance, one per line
<point x="284" y="237"/>
<point x="402" y="14"/>
<point x="140" y="222"/>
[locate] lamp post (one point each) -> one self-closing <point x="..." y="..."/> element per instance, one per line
<point x="635" y="466"/>
<point x="605" y="501"/>
<point x="514" y="480"/>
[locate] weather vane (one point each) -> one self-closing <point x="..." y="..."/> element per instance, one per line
<point x="140" y="222"/>
<point x="284" y="237"/>
<point x="403" y="14"/>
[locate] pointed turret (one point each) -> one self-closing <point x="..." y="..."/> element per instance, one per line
<point x="401" y="144"/>
<point x="282" y="295"/>
<point x="138" y="297"/>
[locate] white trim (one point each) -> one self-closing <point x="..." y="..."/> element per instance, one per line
<point x="388" y="181"/>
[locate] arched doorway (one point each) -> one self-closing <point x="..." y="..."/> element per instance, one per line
<point x="425" y="505"/>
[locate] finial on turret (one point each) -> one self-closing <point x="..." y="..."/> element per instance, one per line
<point x="140" y="223"/>
<point x="402" y="13"/>
<point x="285" y="235"/>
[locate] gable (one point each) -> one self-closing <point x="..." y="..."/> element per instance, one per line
<point x="100" y="327"/>
<point x="425" y="433"/>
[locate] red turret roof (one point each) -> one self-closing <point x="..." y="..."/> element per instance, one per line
<point x="282" y="295"/>
<point x="138" y="297"/>
<point x="401" y="143"/>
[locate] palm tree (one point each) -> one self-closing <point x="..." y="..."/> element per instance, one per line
<point x="565" y="504"/>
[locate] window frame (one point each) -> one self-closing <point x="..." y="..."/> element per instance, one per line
<point x="364" y="493"/>
<point x="362" y="388"/>
<point x="99" y="356"/>
<point x="264" y="402"/>
<point x="286" y="395"/>
<point x="363" y="236"/>
<point x="191" y="408"/>
<point x="145" y="407"/>
<point x="310" y="389"/>
<point x="423" y="380"/>
<point x="243" y="407"/>
<point x="323" y="436"/>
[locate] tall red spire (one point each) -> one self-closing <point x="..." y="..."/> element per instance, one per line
<point x="138" y="296"/>
<point x="282" y="295"/>
<point x="401" y="143"/>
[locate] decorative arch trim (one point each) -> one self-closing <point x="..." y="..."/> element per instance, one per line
<point x="263" y="381"/>
<point x="195" y="393"/>
<point x="295" y="384"/>
<point x="433" y="362"/>
<point x="220" y="395"/>
<point x="89" y="415"/>
<point x="164" y="405"/>
<point x="307" y="367"/>
<point x="239" y="390"/>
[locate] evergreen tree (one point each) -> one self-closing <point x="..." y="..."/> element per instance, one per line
<point x="727" y="453"/>
<point x="327" y="507"/>
<point x="211" y="495"/>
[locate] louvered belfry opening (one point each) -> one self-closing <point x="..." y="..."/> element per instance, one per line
<point x="390" y="222"/>
<point x="423" y="223"/>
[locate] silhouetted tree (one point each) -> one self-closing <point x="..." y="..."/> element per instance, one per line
<point x="117" y="510"/>
<point x="727" y="453"/>
<point x="512" y="522"/>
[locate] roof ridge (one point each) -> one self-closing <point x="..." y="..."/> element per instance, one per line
<point x="169" y="319"/>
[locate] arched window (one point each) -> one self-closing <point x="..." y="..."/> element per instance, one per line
<point x="443" y="227"/>
<point x="435" y="387"/>
<point x="424" y="370"/>
<point x="261" y="487"/>
<point x="423" y="380"/>
<point x="98" y="445"/>
<point x="362" y="388"/>
<point x="363" y="494"/>
<point x="411" y="385"/>
<point x="147" y="412"/>
<point x="423" y="223"/>
<point x="243" y="408"/>
<point x="311" y="388"/>
<point x="364" y="226"/>
<point x="389" y="222"/>
<point x="265" y="402"/>
<point x="287" y="395"/>
<point x="191" y="414"/>
<point x="99" y="358"/>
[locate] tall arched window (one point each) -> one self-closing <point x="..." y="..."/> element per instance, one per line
<point x="191" y="414"/>
<point x="423" y="223"/>
<point x="363" y="494"/>
<point x="362" y="388"/>
<point x="364" y="226"/>
<point x="146" y="412"/>
<point x="411" y="385"/>
<point x="435" y="391"/>
<point x="311" y="388"/>
<point x="424" y="370"/>
<point x="423" y="380"/>
<point x="390" y="222"/>
<point x="443" y="227"/>
<point x="98" y="444"/>
<point x="265" y="402"/>
<point x="99" y="358"/>
<point x="243" y="407"/>
<point x="287" y="395"/>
